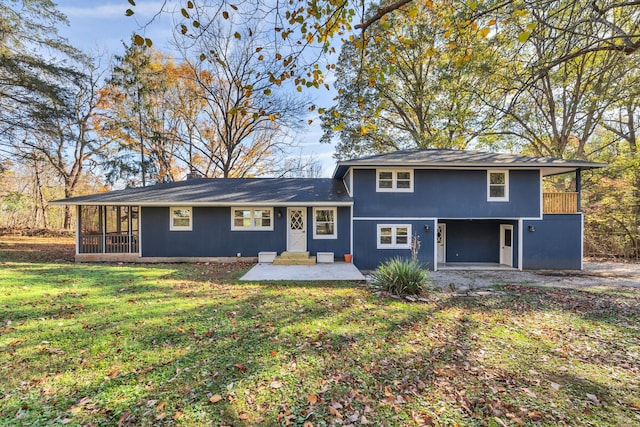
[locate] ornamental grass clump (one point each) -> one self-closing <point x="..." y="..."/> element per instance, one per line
<point x="400" y="276"/>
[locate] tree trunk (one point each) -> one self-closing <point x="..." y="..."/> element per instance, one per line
<point x="67" y="211"/>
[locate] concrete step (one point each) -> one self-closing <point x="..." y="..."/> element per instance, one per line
<point x="294" y="261"/>
<point x="294" y="255"/>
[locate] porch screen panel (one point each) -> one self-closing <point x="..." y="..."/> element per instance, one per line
<point x="90" y="229"/>
<point x="117" y="229"/>
<point x="135" y="227"/>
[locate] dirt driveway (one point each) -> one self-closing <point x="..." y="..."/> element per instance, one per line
<point x="594" y="274"/>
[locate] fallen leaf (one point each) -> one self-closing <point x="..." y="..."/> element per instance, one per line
<point x="275" y="384"/>
<point x="594" y="399"/>
<point x="177" y="415"/>
<point x="555" y="386"/>
<point x="243" y="416"/>
<point x="161" y="405"/>
<point x="273" y="353"/>
<point x="535" y="415"/>
<point x="240" y="367"/>
<point x="123" y="418"/>
<point x="499" y="421"/>
<point x="312" y="398"/>
<point x="307" y="424"/>
<point x="215" y="398"/>
<point x="333" y="411"/>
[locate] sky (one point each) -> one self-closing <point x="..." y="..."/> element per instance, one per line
<point x="100" y="27"/>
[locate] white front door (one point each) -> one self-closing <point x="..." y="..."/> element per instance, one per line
<point x="442" y="242"/>
<point x="506" y="245"/>
<point x="297" y="229"/>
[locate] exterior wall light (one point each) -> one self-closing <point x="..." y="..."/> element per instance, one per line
<point x="532" y="228"/>
<point x="427" y="228"/>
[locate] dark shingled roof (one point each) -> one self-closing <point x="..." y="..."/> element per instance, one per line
<point x="458" y="159"/>
<point x="225" y="191"/>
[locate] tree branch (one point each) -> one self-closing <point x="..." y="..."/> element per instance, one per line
<point x="380" y="13"/>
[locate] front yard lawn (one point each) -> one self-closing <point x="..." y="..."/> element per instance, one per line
<point x="107" y="344"/>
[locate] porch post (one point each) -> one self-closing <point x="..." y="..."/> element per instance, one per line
<point x="78" y="229"/>
<point x="103" y="225"/>
<point x="129" y="226"/>
<point x="579" y="190"/>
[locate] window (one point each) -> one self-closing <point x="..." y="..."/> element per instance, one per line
<point x="394" y="180"/>
<point x="252" y="219"/>
<point x="324" y="223"/>
<point x="498" y="186"/>
<point x="180" y="219"/>
<point x="394" y="236"/>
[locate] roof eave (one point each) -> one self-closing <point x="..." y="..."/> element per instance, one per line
<point x="341" y="168"/>
<point x="198" y="204"/>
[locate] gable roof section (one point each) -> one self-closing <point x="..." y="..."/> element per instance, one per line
<point x="225" y="192"/>
<point x="463" y="159"/>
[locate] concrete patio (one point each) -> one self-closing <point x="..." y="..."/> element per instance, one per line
<point x="339" y="271"/>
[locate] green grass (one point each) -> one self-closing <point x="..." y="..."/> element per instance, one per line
<point x="102" y="344"/>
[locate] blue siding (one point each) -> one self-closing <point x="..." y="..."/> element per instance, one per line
<point x="555" y="244"/>
<point x="447" y="194"/>
<point x="366" y="256"/>
<point x="477" y="240"/>
<point x="339" y="246"/>
<point x="212" y="236"/>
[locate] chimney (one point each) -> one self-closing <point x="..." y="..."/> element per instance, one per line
<point x="193" y="174"/>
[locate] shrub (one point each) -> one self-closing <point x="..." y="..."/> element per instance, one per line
<point x="400" y="276"/>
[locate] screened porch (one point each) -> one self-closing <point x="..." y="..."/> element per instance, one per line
<point x="108" y="229"/>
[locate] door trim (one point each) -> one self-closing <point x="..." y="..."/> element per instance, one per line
<point x="304" y="210"/>
<point x="444" y="242"/>
<point x="503" y="228"/>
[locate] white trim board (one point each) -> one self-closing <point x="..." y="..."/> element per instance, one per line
<point x="520" y="243"/>
<point x="386" y="218"/>
<point x="206" y="204"/>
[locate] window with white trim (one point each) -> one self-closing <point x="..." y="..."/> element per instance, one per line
<point x="498" y="186"/>
<point x="251" y="219"/>
<point x="180" y="219"/>
<point x="394" y="236"/>
<point x="325" y="225"/>
<point x="394" y="180"/>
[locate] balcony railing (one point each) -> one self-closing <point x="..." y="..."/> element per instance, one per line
<point x="112" y="243"/>
<point x="560" y="203"/>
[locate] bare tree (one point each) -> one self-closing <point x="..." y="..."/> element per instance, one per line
<point x="246" y="118"/>
<point x="66" y="140"/>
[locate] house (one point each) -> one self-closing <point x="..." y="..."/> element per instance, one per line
<point x="459" y="207"/>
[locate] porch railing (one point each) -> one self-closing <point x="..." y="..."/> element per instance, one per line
<point x="108" y="244"/>
<point x="563" y="203"/>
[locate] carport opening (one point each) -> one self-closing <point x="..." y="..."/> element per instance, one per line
<point x="477" y="244"/>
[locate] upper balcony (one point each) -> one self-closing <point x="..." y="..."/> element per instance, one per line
<point x="560" y="203"/>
